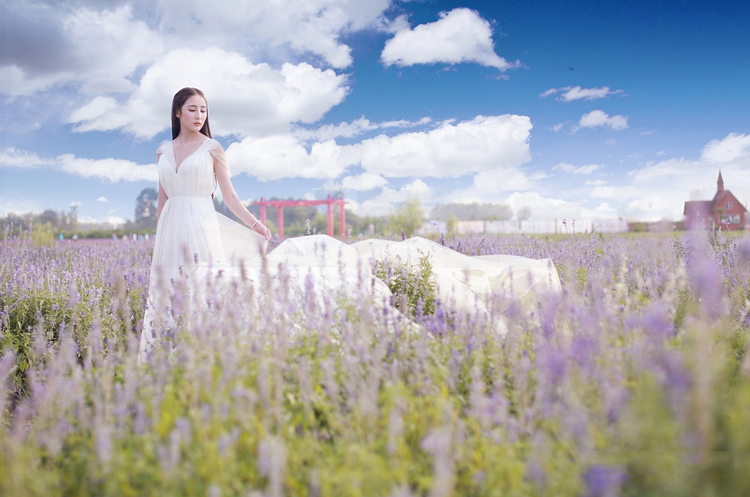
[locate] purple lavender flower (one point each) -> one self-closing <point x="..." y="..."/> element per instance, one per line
<point x="583" y="350"/>
<point x="604" y="481"/>
<point x="535" y="472"/>
<point x="657" y="323"/>
<point x="553" y="365"/>
<point x="706" y="277"/>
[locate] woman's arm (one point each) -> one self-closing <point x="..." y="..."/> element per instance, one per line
<point x="234" y="203"/>
<point x="162" y="200"/>
<point x="162" y="194"/>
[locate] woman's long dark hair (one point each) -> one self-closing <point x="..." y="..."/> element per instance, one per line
<point x="178" y="101"/>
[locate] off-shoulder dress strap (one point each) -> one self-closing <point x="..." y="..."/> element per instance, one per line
<point x="217" y="152"/>
<point x="162" y="149"/>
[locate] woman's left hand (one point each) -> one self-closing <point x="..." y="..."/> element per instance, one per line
<point x="262" y="230"/>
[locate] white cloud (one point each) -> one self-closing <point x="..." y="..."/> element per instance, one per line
<point x="403" y="123"/>
<point x="98" y="49"/>
<point x="557" y="127"/>
<point x="460" y="35"/>
<point x="302" y="26"/>
<point x="15" y="81"/>
<point x="570" y="168"/>
<point x="363" y="182"/>
<point x="604" y="209"/>
<point x="383" y="203"/>
<point x="547" y="93"/>
<point x="733" y="146"/>
<point x="352" y="206"/>
<point x="102" y="199"/>
<point x="659" y="190"/>
<point x="546" y="208"/>
<point x="100" y="46"/>
<point x="115" y="221"/>
<point x="614" y="192"/>
<point x="333" y="131"/>
<point x="488" y="185"/>
<point x="13" y="157"/>
<point x="660" y="153"/>
<point x="503" y="180"/>
<point x="243" y="98"/>
<point x="393" y="26"/>
<point x="654" y="191"/>
<point x="485" y="143"/>
<point x="570" y="93"/>
<point x="495" y="146"/>
<point x="18" y="205"/>
<point x="283" y="156"/>
<point x="354" y="128"/>
<point x="597" y="118"/>
<point x="109" y="169"/>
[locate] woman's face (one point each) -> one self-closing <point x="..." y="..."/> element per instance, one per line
<point x="193" y="113"/>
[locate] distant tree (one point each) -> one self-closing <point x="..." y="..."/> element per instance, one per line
<point x="145" y="208"/>
<point x="523" y="214"/>
<point x="58" y="220"/>
<point x="408" y="217"/>
<point x="50" y="217"/>
<point x="70" y="220"/>
<point x="452" y="224"/>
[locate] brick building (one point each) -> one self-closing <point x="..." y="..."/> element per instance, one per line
<point x="724" y="210"/>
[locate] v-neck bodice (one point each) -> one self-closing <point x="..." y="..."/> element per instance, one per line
<point x="195" y="175"/>
<point x="174" y="155"/>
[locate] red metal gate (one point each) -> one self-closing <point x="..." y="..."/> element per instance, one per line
<point x="280" y="204"/>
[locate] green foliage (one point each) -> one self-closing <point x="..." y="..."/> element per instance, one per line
<point x="411" y="285"/>
<point x="43" y="234"/>
<point x="408" y="218"/>
<point x="102" y="296"/>
<point x="452" y="224"/>
<point x="17" y="224"/>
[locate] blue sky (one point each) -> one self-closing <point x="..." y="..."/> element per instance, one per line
<point x="575" y="109"/>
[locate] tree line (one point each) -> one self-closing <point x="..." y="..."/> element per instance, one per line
<point x="406" y="219"/>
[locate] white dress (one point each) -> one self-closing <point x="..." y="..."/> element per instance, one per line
<point x="190" y="232"/>
<point x="193" y="239"/>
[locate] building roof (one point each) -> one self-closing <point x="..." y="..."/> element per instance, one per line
<point x="720" y="197"/>
<point x="705" y="208"/>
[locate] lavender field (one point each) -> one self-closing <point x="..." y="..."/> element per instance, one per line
<point x="635" y="381"/>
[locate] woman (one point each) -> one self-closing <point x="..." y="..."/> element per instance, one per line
<point x="192" y="238"/>
<point x="189" y="231"/>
